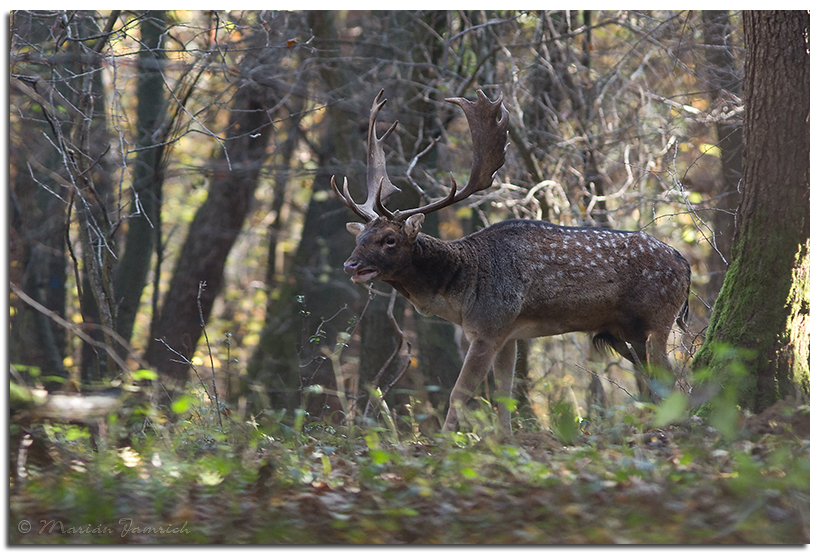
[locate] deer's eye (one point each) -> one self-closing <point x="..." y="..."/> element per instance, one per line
<point x="390" y="242"/>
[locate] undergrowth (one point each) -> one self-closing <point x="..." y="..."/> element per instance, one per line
<point x="185" y="479"/>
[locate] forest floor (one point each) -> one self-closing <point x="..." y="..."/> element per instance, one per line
<point x="619" y="480"/>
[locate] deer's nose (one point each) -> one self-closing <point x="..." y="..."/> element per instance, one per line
<point x="352" y="265"/>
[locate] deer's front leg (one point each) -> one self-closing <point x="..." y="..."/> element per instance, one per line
<point x="476" y="366"/>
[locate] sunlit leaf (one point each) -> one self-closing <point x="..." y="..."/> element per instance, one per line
<point x="130" y="457"/>
<point x="146" y="374"/>
<point x="210" y="478"/>
<point x="673" y="408"/>
<point x="182" y="404"/>
<point x="469" y="473"/>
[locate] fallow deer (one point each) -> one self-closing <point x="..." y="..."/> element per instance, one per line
<point x="516" y="279"/>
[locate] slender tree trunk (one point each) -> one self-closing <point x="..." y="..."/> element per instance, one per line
<point x="300" y="318"/>
<point x="287" y="148"/>
<point x="93" y="204"/>
<point x="132" y="270"/>
<point x="62" y="162"/>
<point x="724" y="85"/>
<point x="763" y="307"/>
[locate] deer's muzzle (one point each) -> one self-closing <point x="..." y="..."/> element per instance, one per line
<point x="360" y="273"/>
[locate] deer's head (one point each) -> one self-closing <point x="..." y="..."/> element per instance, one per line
<point x="384" y="241"/>
<point x="383" y="248"/>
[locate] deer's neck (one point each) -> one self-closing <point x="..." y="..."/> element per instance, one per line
<point x="433" y="281"/>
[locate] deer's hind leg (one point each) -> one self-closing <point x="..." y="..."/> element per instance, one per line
<point x="504" y="372"/>
<point x="635" y="352"/>
<point x="660" y="368"/>
<point x="653" y="371"/>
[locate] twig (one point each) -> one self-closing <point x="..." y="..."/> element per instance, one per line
<point x="412" y="165"/>
<point x="739" y="520"/>
<point x="340" y="391"/>
<point x="75" y="265"/>
<point x="388" y="363"/>
<point x="227" y="343"/>
<point x="76" y="330"/>
<point x="184" y="360"/>
<point x="676" y="180"/>
<point x="400" y="374"/>
<point x="579" y="366"/>
<point x="215" y="396"/>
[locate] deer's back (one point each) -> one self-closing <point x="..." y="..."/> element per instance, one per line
<point x="553" y="279"/>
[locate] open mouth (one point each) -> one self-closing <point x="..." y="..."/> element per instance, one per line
<point x="364" y="276"/>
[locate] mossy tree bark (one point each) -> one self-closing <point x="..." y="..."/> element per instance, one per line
<point x="763" y="307"/>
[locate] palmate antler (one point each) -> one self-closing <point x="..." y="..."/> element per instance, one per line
<point x="488" y="128"/>
<point x="379" y="187"/>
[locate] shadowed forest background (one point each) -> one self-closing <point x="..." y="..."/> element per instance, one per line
<point x="173" y="230"/>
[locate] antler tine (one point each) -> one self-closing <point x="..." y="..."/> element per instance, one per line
<point x="379" y="205"/>
<point x="379" y="187"/>
<point x="347" y="200"/>
<point x="489" y="135"/>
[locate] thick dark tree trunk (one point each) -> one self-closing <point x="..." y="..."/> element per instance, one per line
<point x="300" y="319"/>
<point x="37" y="242"/>
<point x="215" y="228"/>
<point x="439" y="361"/>
<point x="37" y="263"/>
<point x="763" y="307"/>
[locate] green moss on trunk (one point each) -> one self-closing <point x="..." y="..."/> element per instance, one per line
<point x="763" y="307"/>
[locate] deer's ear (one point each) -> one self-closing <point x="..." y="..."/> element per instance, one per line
<point x="355" y="228"/>
<point x="412" y="226"/>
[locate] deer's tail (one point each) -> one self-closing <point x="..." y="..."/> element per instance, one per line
<point x="683" y="315"/>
